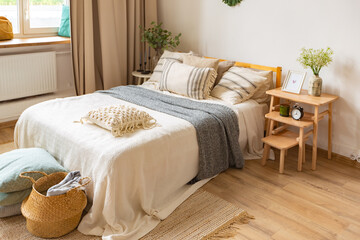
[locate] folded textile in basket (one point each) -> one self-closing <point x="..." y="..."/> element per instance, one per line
<point x="72" y="180"/>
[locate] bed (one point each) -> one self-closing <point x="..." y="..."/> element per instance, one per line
<point x="138" y="179"/>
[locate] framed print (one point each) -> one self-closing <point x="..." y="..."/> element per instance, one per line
<point x="294" y="81"/>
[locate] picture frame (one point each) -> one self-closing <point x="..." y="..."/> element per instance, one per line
<point x="294" y="81"/>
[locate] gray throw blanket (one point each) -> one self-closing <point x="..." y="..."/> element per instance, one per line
<point x="216" y="126"/>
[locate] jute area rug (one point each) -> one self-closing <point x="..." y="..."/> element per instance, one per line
<point x="201" y="216"/>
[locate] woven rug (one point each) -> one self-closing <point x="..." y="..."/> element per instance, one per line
<point x="202" y="216"/>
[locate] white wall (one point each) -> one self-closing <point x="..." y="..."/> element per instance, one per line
<point x="272" y="33"/>
<point x="11" y="110"/>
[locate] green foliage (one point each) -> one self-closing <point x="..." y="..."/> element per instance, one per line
<point x="231" y="3"/>
<point x="33" y="2"/>
<point x="315" y="59"/>
<point x="159" y="38"/>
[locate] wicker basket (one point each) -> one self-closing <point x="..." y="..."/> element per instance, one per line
<point x="55" y="216"/>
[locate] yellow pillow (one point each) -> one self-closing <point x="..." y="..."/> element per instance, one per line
<point x="6" y="30"/>
<point x="200" y="62"/>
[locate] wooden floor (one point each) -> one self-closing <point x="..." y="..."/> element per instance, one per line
<point x="321" y="204"/>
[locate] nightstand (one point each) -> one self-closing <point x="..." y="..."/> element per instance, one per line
<point x="141" y="78"/>
<point x="283" y="139"/>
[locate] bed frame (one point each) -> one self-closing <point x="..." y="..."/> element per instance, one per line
<point x="277" y="70"/>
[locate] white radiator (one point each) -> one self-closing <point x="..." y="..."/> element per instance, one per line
<point x="27" y="75"/>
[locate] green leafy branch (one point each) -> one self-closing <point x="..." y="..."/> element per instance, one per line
<point x="315" y="59"/>
<point x="231" y="3"/>
<point x="159" y="38"/>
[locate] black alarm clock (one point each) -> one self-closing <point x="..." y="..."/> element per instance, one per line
<point x="297" y="112"/>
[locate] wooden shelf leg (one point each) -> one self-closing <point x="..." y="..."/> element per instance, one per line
<point x="282" y="160"/>
<point x="304" y="153"/>
<point x="270" y="110"/>
<point x="265" y="154"/>
<point x="301" y="149"/>
<point x="316" y="125"/>
<point x="329" y="131"/>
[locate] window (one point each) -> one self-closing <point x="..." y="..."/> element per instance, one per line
<point x="33" y="17"/>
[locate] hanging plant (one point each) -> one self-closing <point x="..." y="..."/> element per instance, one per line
<point x="232" y="3"/>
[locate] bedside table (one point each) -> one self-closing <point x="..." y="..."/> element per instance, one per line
<point x="284" y="139"/>
<point x="141" y="78"/>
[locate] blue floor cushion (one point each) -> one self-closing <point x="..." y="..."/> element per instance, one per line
<point x="24" y="160"/>
<point x="7" y="199"/>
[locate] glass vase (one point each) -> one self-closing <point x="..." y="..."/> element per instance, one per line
<point x="155" y="59"/>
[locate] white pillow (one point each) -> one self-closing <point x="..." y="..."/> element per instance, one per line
<point x="187" y="80"/>
<point x="238" y="85"/>
<point x="120" y="119"/>
<point x="154" y="80"/>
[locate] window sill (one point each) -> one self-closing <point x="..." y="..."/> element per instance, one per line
<point x="26" y="42"/>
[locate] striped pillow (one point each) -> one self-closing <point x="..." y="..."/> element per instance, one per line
<point x="238" y="85"/>
<point x="167" y="55"/>
<point x="187" y="80"/>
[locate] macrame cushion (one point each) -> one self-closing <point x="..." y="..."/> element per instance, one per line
<point x="120" y="119"/>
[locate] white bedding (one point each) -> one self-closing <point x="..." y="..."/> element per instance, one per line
<point x="138" y="179"/>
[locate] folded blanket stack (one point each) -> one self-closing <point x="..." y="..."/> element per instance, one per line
<point x="13" y="189"/>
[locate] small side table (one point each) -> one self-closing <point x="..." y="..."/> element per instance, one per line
<point x="141" y="78"/>
<point x="283" y="139"/>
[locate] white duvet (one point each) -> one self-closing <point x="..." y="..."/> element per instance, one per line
<point x="138" y="179"/>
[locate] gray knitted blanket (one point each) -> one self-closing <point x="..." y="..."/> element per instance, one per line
<point x="216" y="126"/>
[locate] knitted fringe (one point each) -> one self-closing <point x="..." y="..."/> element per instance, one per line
<point x="229" y="229"/>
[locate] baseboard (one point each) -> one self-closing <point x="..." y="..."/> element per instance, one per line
<point x="335" y="157"/>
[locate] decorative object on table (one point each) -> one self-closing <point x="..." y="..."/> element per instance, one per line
<point x="294" y="81"/>
<point x="284" y="110"/>
<point x="231" y="3"/>
<point x="147" y="60"/>
<point x="64" y="28"/>
<point x="55" y="216"/>
<point x="6" y="29"/>
<point x="315" y="59"/>
<point x="297" y="112"/>
<point x="159" y="39"/>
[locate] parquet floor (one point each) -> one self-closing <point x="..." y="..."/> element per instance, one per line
<point x="321" y="204"/>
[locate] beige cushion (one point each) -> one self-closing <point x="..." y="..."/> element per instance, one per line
<point x="187" y="80"/>
<point x="238" y="85"/>
<point x="222" y="68"/>
<point x="260" y="95"/>
<point x="120" y="119"/>
<point x="201" y="62"/>
<point x="154" y="80"/>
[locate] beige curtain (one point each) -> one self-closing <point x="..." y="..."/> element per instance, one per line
<point x="105" y="38"/>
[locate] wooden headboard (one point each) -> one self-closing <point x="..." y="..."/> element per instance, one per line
<point x="276" y="70"/>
